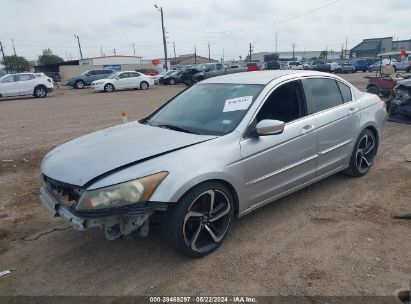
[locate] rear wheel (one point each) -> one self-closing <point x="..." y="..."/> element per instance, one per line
<point x="363" y="154"/>
<point x="79" y="84"/>
<point x="40" y="92"/>
<point x="109" y="88"/>
<point x="373" y="89"/>
<point x="172" y="81"/>
<point x="197" y="224"/>
<point x="144" y="85"/>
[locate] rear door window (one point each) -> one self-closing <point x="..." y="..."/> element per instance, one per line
<point x="345" y="91"/>
<point x="321" y="94"/>
<point x="25" y="77"/>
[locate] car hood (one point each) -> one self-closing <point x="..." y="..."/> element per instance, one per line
<point x="88" y="157"/>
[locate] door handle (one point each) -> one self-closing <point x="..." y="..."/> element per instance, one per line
<point x="307" y="129"/>
<point x="352" y="110"/>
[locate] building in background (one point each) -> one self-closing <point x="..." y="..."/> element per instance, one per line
<point x="189" y="59"/>
<point x="288" y="56"/>
<point x="373" y="46"/>
<point x="111" y="60"/>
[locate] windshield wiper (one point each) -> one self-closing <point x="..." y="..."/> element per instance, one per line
<point x="175" y="128"/>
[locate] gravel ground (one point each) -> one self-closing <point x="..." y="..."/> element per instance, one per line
<point x="335" y="237"/>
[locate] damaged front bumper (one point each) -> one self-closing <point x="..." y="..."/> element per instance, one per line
<point x="115" y="222"/>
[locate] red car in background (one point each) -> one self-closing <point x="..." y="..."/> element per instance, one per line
<point x="252" y="66"/>
<point x="148" y="72"/>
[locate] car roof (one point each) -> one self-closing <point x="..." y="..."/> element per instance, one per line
<point x="260" y="77"/>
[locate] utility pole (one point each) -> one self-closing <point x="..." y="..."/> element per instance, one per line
<point x="14" y="48"/>
<point x="134" y="50"/>
<point x="276" y="40"/>
<point x="209" y="57"/>
<point x="195" y="55"/>
<point x="251" y="50"/>
<point x="2" y="51"/>
<point x="164" y="34"/>
<point x="114" y="51"/>
<point x="101" y="50"/>
<point x="175" y="56"/>
<point x="346" y="46"/>
<point x="294" y="45"/>
<point x="79" y="46"/>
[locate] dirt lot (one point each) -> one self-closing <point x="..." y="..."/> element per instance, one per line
<point x="336" y="237"/>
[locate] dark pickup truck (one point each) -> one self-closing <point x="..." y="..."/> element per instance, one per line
<point x="200" y="72"/>
<point x="320" y="65"/>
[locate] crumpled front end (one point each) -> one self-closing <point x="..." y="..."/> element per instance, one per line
<point x="61" y="200"/>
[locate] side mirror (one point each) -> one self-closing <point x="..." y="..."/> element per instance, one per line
<point x="270" y="127"/>
<point x="117" y="77"/>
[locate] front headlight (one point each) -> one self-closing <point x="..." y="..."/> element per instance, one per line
<point x="131" y="192"/>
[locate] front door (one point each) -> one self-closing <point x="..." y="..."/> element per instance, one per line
<point x="277" y="164"/>
<point x="9" y="86"/>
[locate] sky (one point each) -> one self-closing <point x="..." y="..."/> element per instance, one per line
<point x="228" y="26"/>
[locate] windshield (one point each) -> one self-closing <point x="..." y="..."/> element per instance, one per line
<point x="111" y="76"/>
<point x="208" y="109"/>
<point x="85" y="73"/>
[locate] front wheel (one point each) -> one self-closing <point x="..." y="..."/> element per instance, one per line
<point x="108" y="88"/>
<point x="172" y="81"/>
<point x="198" y="223"/>
<point x="79" y="84"/>
<point x="40" y="92"/>
<point x="363" y="154"/>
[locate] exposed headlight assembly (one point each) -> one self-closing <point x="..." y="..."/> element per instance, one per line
<point x="131" y="192"/>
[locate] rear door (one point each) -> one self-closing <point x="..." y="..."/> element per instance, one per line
<point x="337" y="119"/>
<point x="26" y="84"/>
<point x="133" y="80"/>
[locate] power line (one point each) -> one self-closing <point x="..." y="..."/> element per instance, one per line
<point x="268" y="25"/>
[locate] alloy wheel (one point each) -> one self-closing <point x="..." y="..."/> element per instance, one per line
<point x="365" y="153"/>
<point x="109" y="88"/>
<point x="40" y="92"/>
<point x="143" y="86"/>
<point x="80" y="85"/>
<point x="207" y="221"/>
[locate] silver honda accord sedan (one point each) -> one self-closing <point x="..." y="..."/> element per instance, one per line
<point x="216" y="151"/>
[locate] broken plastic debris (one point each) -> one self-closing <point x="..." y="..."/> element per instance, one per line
<point x="124" y="115"/>
<point x="5" y="272"/>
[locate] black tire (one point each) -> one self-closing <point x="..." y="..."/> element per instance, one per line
<point x="373" y="89"/>
<point x="144" y="85"/>
<point x="189" y="225"/>
<point x="79" y="84"/>
<point x="364" y="71"/>
<point x="363" y="154"/>
<point x="109" y="88"/>
<point x="172" y="81"/>
<point x="395" y="68"/>
<point x="40" y="91"/>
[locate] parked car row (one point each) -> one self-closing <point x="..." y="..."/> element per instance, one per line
<point x="25" y="84"/>
<point x="106" y="80"/>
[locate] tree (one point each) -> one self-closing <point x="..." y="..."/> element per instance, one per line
<point x="49" y="58"/>
<point x="324" y="54"/>
<point x="16" y="64"/>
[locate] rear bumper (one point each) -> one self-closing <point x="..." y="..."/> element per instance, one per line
<point x="115" y="224"/>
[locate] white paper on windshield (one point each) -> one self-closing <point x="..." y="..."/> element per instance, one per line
<point x="238" y="103"/>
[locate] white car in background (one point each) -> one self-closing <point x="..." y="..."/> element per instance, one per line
<point x="295" y="65"/>
<point x="22" y="84"/>
<point x="123" y="81"/>
<point x="334" y="66"/>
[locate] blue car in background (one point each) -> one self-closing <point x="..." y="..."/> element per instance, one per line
<point x="360" y="64"/>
